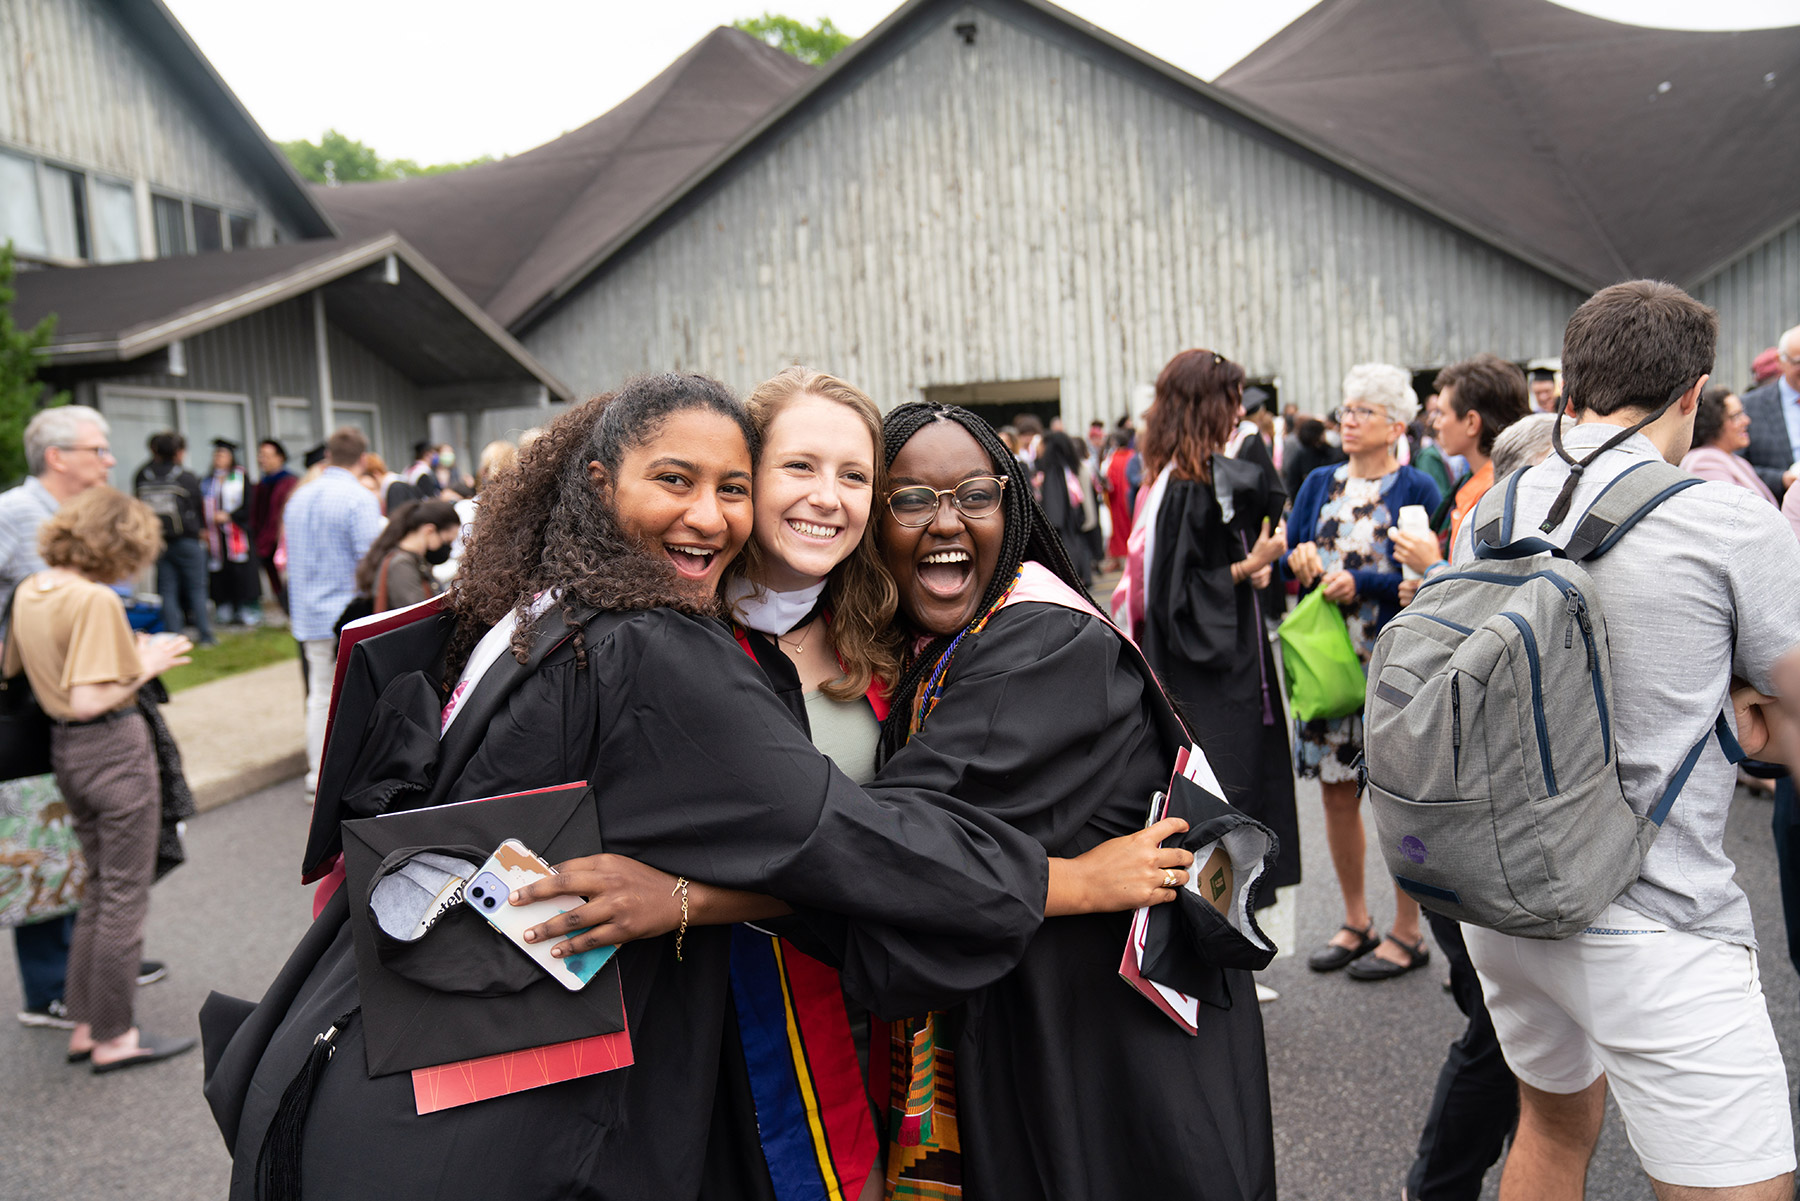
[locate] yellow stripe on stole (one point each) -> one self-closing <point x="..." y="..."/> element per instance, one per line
<point x="821" y="1149"/>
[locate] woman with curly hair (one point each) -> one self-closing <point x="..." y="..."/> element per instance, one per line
<point x="70" y="637"/>
<point x="618" y="527"/>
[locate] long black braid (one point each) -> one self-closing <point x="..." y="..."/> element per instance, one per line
<point x="1027" y="535"/>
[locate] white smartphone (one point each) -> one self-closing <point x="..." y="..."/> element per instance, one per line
<point x="513" y="866"/>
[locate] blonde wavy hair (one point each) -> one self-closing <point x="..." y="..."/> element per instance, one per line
<point x="101" y="534"/>
<point x="860" y="593"/>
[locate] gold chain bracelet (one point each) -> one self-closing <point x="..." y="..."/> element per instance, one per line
<point x="681" y="886"/>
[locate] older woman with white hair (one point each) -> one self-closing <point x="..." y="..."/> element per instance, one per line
<point x="1339" y="541"/>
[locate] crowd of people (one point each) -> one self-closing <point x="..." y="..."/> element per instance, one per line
<point x="844" y="699"/>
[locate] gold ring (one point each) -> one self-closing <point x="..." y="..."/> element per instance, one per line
<point x="1168" y="877"/>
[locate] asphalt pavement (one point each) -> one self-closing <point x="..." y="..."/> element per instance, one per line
<point x="1351" y="1065"/>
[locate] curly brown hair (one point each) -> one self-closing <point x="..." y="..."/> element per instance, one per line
<point x="546" y="526"/>
<point x="101" y="534"/>
<point x="861" y="593"/>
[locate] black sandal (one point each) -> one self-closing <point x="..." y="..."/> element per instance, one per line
<point x="1331" y="956"/>
<point x="1374" y="967"/>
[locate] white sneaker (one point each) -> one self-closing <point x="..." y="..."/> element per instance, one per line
<point x="54" y="1016"/>
<point x="1265" y="994"/>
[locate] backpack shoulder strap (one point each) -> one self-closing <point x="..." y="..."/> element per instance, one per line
<point x="1493" y="523"/>
<point x="1625" y="501"/>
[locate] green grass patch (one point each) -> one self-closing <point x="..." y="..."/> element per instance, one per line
<point x="238" y="651"/>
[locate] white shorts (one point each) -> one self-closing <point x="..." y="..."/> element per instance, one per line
<point x="1676" y="1021"/>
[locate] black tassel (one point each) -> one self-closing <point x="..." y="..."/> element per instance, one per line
<point x="278" y="1162"/>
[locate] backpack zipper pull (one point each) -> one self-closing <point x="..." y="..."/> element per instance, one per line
<point x="1455" y="723"/>
<point x="1587" y="629"/>
<point x="1574" y="604"/>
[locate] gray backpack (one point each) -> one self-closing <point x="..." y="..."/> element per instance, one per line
<point x="1492" y="769"/>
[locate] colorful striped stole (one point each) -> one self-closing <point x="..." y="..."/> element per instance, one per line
<point x="811" y="1111"/>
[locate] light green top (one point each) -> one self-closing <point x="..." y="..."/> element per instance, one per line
<point x="847" y="732"/>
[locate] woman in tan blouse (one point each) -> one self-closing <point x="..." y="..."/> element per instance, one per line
<point x="70" y="636"/>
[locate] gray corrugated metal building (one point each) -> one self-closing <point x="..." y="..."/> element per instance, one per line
<point x="992" y="200"/>
<point x="1001" y="201"/>
<point x="197" y="284"/>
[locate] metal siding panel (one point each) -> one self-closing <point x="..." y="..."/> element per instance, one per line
<point x="1014" y="211"/>
<point x="75" y="87"/>
<point x="1758" y="298"/>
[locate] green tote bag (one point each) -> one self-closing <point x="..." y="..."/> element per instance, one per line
<point x="1324" y="676"/>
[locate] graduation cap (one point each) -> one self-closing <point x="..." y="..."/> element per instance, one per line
<point x="315" y="455"/>
<point x="1255" y="398"/>
<point x="225" y="444"/>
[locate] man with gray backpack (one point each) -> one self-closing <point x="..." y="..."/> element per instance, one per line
<point x="1549" y="749"/>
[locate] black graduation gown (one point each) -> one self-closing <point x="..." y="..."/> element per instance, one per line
<point x="1205" y="637"/>
<point x="700" y="771"/>
<point x="1069" y="1084"/>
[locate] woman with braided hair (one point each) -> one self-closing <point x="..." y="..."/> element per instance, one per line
<point x="1024" y="702"/>
<point x="583" y="642"/>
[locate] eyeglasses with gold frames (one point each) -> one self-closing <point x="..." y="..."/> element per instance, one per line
<point x="917" y="505"/>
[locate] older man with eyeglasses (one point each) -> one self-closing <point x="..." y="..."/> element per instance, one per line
<point x="67" y="452"/>
<point x="1774" y="412"/>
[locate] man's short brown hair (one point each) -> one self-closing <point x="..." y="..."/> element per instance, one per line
<point x="1489" y="385"/>
<point x="1631" y="345"/>
<point x="346" y="447"/>
<point x="102" y="534"/>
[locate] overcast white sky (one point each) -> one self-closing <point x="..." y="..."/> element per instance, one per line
<point x="448" y="80"/>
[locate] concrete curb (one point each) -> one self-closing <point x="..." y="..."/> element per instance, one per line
<point x="240" y="734"/>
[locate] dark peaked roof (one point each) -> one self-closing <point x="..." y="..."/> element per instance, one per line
<point x="1609" y="150"/>
<point x="510" y="232"/>
<point x="411" y="316"/>
<point x="155" y="30"/>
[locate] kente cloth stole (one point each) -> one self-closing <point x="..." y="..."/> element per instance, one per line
<point x="925" y="1149"/>
<point x="811" y="1111"/>
<point x="924" y="1146"/>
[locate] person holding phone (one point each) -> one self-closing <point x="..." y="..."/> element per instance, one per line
<point x="626" y="513"/>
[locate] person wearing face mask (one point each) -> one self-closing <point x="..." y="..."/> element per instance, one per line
<point x="397" y="570"/>
<point x="582" y="642"/>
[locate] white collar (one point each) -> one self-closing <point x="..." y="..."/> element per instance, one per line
<point x="768" y="611"/>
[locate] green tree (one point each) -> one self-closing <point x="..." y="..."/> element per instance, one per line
<point x="21" y="393"/>
<point x="335" y="158"/>
<point x="816" y="43"/>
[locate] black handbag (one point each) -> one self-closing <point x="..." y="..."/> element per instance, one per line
<point x="24" y="727"/>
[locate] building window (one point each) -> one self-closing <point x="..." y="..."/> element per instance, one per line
<point x="21" y="208"/>
<point x="209" y="228"/>
<point x="240" y="227"/>
<point x="171" y="227"/>
<point x="115" y="222"/>
<point x="65" y="212"/>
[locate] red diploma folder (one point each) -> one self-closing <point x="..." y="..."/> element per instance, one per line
<point x="451" y="1084"/>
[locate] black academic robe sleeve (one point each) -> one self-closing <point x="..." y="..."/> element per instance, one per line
<point x="1042" y="725"/>
<point x="1069" y="1085"/>
<point x="702" y="772"/>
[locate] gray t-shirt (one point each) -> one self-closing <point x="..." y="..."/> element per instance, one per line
<point x="22" y="511"/>
<point x="1704" y="588"/>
